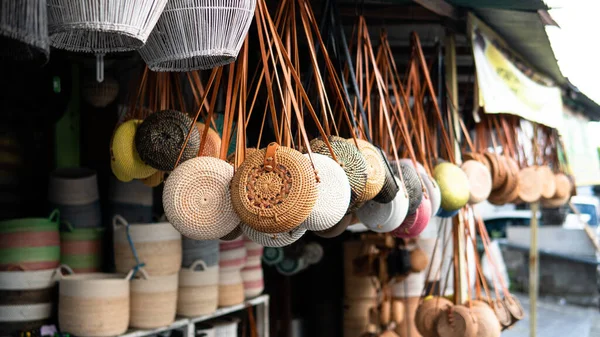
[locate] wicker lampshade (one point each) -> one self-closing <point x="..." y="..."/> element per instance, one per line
<point x="24" y="31"/>
<point x="102" y="26"/>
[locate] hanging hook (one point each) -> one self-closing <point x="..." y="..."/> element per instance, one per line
<point x="100" y="68"/>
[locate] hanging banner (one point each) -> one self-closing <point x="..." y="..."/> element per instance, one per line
<point x="581" y="140"/>
<point x="504" y="87"/>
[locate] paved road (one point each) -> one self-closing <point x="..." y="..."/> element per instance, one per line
<point x="556" y="320"/>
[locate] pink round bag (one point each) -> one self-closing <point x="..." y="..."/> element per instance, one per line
<point x="421" y="220"/>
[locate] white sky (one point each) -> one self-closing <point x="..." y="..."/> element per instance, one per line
<point x="575" y="43"/>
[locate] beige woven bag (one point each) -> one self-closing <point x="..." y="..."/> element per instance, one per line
<point x="274" y="190"/>
<point x="197" y="201"/>
<point x="375" y="168"/>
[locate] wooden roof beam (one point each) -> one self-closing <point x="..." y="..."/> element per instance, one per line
<point x="440" y="7"/>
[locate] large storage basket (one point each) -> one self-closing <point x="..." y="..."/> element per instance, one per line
<point x="198" y="34"/>
<point x="102" y="26"/>
<point x="198" y="290"/>
<point x="158" y="246"/>
<point x="153" y="301"/>
<point x="94" y="305"/>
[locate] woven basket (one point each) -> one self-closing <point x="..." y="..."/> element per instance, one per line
<point x="81" y="249"/>
<point x="94" y="305"/>
<point x="273" y="239"/>
<point x="454" y="186"/>
<point x="352" y="162"/>
<point x="563" y="185"/>
<point x="198" y="34"/>
<point x="155" y="179"/>
<point x="231" y="288"/>
<point x="134" y="193"/>
<point x="513" y="305"/>
<point x="274" y="190"/>
<point x="212" y="147"/>
<point x="127" y="161"/>
<point x="480" y="181"/>
<point x="153" y="301"/>
<point x="161" y="136"/>
<point x="232" y="255"/>
<point x="15" y="319"/>
<point x="412" y="182"/>
<point x="334" y="194"/>
<point x="375" y="169"/>
<point x="30" y="243"/>
<point x="205" y="250"/>
<point x="100" y="95"/>
<point x="458" y="321"/>
<point x="502" y="313"/>
<point x="158" y="246"/>
<point x="428" y="314"/>
<point x="198" y="290"/>
<point x="197" y="201"/>
<point x="390" y="188"/>
<point x="73" y="186"/>
<point x="100" y="26"/>
<point x="254" y="284"/>
<point x="24" y="31"/>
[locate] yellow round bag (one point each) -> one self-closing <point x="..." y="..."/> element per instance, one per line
<point x="125" y="160"/>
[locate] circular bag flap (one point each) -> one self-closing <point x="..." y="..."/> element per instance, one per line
<point x="126" y="161"/>
<point x="480" y="180"/>
<point x="454" y="186"/>
<point x="274" y="190"/>
<point x="375" y="169"/>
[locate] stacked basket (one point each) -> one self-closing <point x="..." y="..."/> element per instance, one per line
<point x="252" y="273"/>
<point x="29" y="256"/>
<point x="131" y="200"/>
<point x="74" y="192"/>
<point x="232" y="258"/>
<point x="154" y="249"/>
<point x="199" y="277"/>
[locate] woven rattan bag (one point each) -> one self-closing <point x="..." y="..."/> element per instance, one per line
<point x="334" y="194"/>
<point x="384" y="218"/>
<point x="161" y="136"/>
<point x="457" y="321"/>
<point x="454" y="186"/>
<point x="412" y="181"/>
<point x="415" y="224"/>
<point x="428" y="313"/>
<point x="375" y="168"/>
<point x="197" y="200"/>
<point x="352" y="161"/>
<point x="390" y="188"/>
<point x="125" y="160"/>
<point x="274" y="190"/>
<point x="530" y="184"/>
<point x="213" y="141"/>
<point x="273" y="239"/>
<point x="480" y="180"/>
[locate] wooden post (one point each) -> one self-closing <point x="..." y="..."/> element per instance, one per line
<point x="458" y="228"/>
<point x="533" y="270"/>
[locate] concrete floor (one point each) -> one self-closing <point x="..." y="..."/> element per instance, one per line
<point x="558" y="320"/>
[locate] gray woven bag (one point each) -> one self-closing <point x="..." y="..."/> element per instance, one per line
<point x="24" y="31"/>
<point x="160" y="137"/>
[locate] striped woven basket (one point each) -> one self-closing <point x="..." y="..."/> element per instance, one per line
<point x="231" y="288"/>
<point x="198" y="290"/>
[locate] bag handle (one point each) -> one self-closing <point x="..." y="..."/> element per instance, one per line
<point x="120" y="221"/>
<point x="198" y="263"/>
<point x="58" y="272"/>
<point x="54" y="216"/>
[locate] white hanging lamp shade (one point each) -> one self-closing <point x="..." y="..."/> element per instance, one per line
<point x="198" y="34"/>
<point x="102" y="26"/>
<point x="24" y="31"/>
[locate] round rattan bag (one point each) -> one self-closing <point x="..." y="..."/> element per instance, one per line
<point x="428" y="313"/>
<point x="352" y="162"/>
<point x="213" y="141"/>
<point x="197" y="201"/>
<point x="412" y="182"/>
<point x="454" y="185"/>
<point x="530" y="184"/>
<point x="390" y="188"/>
<point x="126" y="161"/>
<point x="275" y="189"/>
<point x="338" y="229"/>
<point x="457" y="321"/>
<point x="334" y="194"/>
<point x="273" y="239"/>
<point x="480" y="181"/>
<point x="160" y="137"/>
<point x="375" y="169"/>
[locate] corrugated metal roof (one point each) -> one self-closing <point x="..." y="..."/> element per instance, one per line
<point x="526" y="34"/>
<point x="518" y="5"/>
